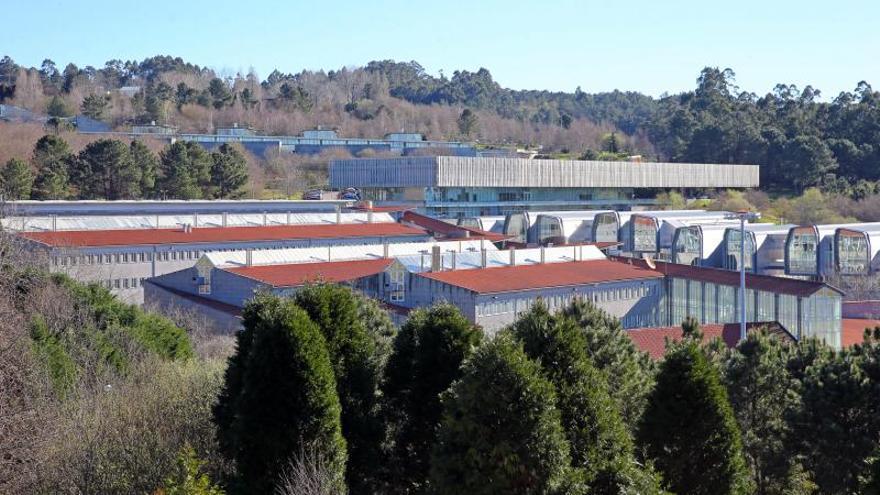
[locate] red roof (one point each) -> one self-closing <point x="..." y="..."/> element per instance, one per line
<point x="134" y="237"/>
<point x="852" y="330"/>
<point x="447" y="229"/>
<point x="297" y="274"/>
<point x="541" y="276"/>
<point x="781" y="285"/>
<point x="653" y="340"/>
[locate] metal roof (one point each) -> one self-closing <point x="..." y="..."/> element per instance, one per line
<point x="107" y="222"/>
<point x="295" y="275"/>
<point x="338" y="253"/>
<point x="471" y="260"/>
<point x="455" y="171"/>
<point x="541" y="276"/>
<point x="202" y="235"/>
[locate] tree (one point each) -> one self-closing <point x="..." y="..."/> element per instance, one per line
<point x="763" y="396"/>
<point x="185" y="171"/>
<point x="279" y="396"/>
<point x="220" y="94"/>
<point x="16" y="179"/>
<point x="601" y="444"/>
<point x="104" y="170"/>
<point x="427" y="357"/>
<point x="146" y="164"/>
<point x="334" y="309"/>
<point x="57" y="108"/>
<point x="501" y="430"/>
<point x="629" y="371"/>
<point x="689" y="422"/>
<point x="468" y="123"/>
<point x="52" y="159"/>
<point x="229" y="172"/>
<point x="94" y="106"/>
<point x="189" y="477"/>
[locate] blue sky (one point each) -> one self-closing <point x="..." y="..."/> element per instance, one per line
<point x="650" y="46"/>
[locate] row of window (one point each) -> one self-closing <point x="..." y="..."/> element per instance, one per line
<point x="556" y="302"/>
<point x="117" y="258"/>
<point x="123" y="283"/>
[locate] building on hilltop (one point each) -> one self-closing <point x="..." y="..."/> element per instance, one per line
<point x="472" y="186"/>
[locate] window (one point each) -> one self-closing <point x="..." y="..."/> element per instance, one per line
<point x="397" y="286"/>
<point x="107" y="259"/>
<point x="125" y="283"/>
<point x="115" y="283"/>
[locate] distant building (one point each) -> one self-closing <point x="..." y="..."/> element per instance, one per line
<point x="473" y="186"/>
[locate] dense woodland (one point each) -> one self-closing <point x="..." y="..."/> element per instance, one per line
<point x="801" y="139"/>
<point x="320" y="394"/>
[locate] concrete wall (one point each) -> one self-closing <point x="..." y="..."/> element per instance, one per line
<point x="169" y="303"/>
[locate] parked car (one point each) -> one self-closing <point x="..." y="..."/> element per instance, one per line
<point x="313" y="194"/>
<point x="350" y="194"/>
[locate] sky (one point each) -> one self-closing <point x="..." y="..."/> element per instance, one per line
<point x="650" y="46"/>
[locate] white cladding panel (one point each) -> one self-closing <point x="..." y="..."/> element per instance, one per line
<point x="454" y="171"/>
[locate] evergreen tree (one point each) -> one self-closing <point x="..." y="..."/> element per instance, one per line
<point x="51" y="159"/>
<point x="601" y="444"/>
<point x="427" y="357"/>
<point x="185" y="171"/>
<point x="468" y="123"/>
<point x="147" y="166"/>
<point x="104" y="170"/>
<point x="334" y="308"/>
<point x="94" y="106"/>
<point x="279" y="397"/>
<point x="501" y="431"/>
<point x="763" y="397"/>
<point x="16" y="179"/>
<point x="228" y="172"/>
<point x="689" y="429"/>
<point x="838" y="425"/>
<point x="630" y="372"/>
<point x="57" y="108"/>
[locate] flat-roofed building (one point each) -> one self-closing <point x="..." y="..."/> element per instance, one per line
<point x="122" y="259"/>
<point x="31" y="208"/>
<point x="468" y="186"/>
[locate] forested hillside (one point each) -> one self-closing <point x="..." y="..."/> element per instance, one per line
<point x="800" y="138"/>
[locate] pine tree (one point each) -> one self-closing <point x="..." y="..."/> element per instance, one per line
<point x="94" y="106"/>
<point x="334" y="308"/>
<point x="501" y="431"/>
<point x="16" y="179"/>
<point x="601" y="444"/>
<point x="185" y="171"/>
<point x="763" y="396"/>
<point x="52" y="158"/>
<point x="228" y="172"/>
<point x="104" y="170"/>
<point x="630" y="372"/>
<point x="427" y="357"/>
<point x="689" y="429"/>
<point x="147" y="165"/>
<point x="279" y="396"/>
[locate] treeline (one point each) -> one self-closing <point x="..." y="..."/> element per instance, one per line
<point x="112" y="169"/>
<point x="557" y="403"/>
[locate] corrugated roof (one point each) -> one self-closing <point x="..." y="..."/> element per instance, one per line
<point x="471" y="260"/>
<point x="137" y="237"/>
<point x="295" y="275"/>
<point x="541" y="276"/>
<point x="447" y="229"/>
<point x="852" y="330"/>
<point x="779" y="285"/>
<point x="108" y="222"/>
<point x="653" y="340"/>
<point x="286" y="256"/>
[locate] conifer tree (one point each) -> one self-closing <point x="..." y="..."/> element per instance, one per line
<point x="630" y="372"/>
<point x="334" y="308"/>
<point x="689" y="429"/>
<point x="16" y="179"/>
<point x="501" y="431"/>
<point x="52" y="158"/>
<point x="763" y="396"/>
<point x="279" y="397"/>
<point x="427" y="357"/>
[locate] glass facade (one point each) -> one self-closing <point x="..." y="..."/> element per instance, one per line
<point x="732" y="250"/>
<point x="605" y="227"/>
<point x="852" y="252"/>
<point x="644" y="234"/>
<point x="516" y="226"/>
<point x="802" y="252"/>
<point x="550" y="231"/>
<point x="687" y="247"/>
